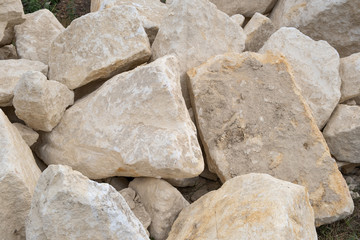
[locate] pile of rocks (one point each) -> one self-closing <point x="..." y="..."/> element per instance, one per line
<point x="194" y="119"/>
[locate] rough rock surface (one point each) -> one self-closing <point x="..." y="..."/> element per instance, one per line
<point x="342" y="133"/>
<point x="18" y="176"/>
<point x="162" y="201"/>
<point x="151" y="12"/>
<point x="11" y="72"/>
<point x="239" y="19"/>
<point x="98" y="45"/>
<point x="198" y="31"/>
<point x="35" y="35"/>
<point x="39" y="102"/>
<point x="67" y="205"/>
<point x="29" y="135"/>
<point x="266" y="132"/>
<point x="257" y="31"/>
<point x="245" y="7"/>
<point x="335" y="21"/>
<point x="135" y="124"/>
<point x="11" y="14"/>
<point x="315" y="66"/>
<point x="252" y="206"/>
<point x="8" y="52"/>
<point x="350" y="77"/>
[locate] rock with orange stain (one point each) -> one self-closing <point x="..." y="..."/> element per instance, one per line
<point x="252" y="206"/>
<point x="252" y="118"/>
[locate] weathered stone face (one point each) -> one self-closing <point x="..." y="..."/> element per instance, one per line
<point x="29" y="135"/>
<point x="252" y="118"/>
<point x="245" y="7"/>
<point x="8" y="52"/>
<point x="350" y="77"/>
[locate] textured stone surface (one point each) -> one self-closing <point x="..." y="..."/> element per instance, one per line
<point x="257" y="31"/>
<point x="18" y="177"/>
<point x="136" y="124"/>
<point x="252" y="206"/>
<point x="11" y="72"/>
<point x="239" y="19"/>
<point x="35" y="35"/>
<point x="7" y="36"/>
<point x="8" y="52"/>
<point x="98" y="45"/>
<point x="162" y="201"/>
<point x="335" y="21"/>
<point x="198" y="31"/>
<point x="342" y="133"/>
<point x="11" y="14"/>
<point x="39" y="102"/>
<point x="350" y="77"/>
<point x="29" y="135"/>
<point x="67" y="205"/>
<point x="252" y="118"/>
<point x="315" y="67"/>
<point x="151" y="12"/>
<point x="245" y="7"/>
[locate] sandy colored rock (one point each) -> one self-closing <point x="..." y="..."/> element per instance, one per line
<point x="257" y="31"/>
<point x="135" y="124"/>
<point x="39" y="102"/>
<point x="162" y="201"/>
<point x="119" y="183"/>
<point x="11" y="14"/>
<point x="18" y="176"/>
<point x="315" y="66"/>
<point x="198" y="31"/>
<point x="245" y="7"/>
<point x="182" y="182"/>
<point x="239" y="19"/>
<point x="11" y="72"/>
<point x="350" y="77"/>
<point x="98" y="45"/>
<point x="151" y="12"/>
<point x="8" y="52"/>
<point x="342" y="133"/>
<point x="67" y="205"/>
<point x="29" y="135"/>
<point x="35" y="35"/>
<point x="252" y="206"/>
<point x="252" y="118"/>
<point x="336" y="22"/>
<point x="7" y="36"/>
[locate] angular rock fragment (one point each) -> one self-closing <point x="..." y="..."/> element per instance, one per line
<point x="252" y="118"/>
<point x="39" y="102"/>
<point x="67" y="205"/>
<point x="252" y="206"/>
<point x="195" y="31"/>
<point x="35" y="35"/>
<point x="162" y="201"/>
<point x="245" y="7"/>
<point x="11" y="72"/>
<point x="342" y="133"/>
<point x="183" y="182"/>
<point x="135" y="124"/>
<point x="239" y="19"/>
<point x="29" y="135"/>
<point x="350" y="77"/>
<point x="336" y="22"/>
<point x="315" y="67"/>
<point x="8" y="52"/>
<point x="11" y="14"/>
<point x="98" y="45"/>
<point x="18" y="176"/>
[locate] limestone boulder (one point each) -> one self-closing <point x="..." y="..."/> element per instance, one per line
<point x="162" y="201"/>
<point x="335" y="21"/>
<point x="245" y="7"/>
<point x="29" y="135"/>
<point x="39" y="102"/>
<point x="11" y="72"/>
<point x="252" y="206"/>
<point x="7" y="36"/>
<point x="342" y="133"/>
<point x="18" y="176"/>
<point x="35" y="35"/>
<point x="252" y="118"/>
<point x="11" y="14"/>
<point x="239" y="19"/>
<point x="315" y="66"/>
<point x="350" y="77"/>
<point x="67" y="205"/>
<point x="98" y="45"/>
<point x="135" y="124"/>
<point x="196" y="31"/>
<point x="8" y="52"/>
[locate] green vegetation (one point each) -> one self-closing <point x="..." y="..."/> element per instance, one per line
<point x="35" y="5"/>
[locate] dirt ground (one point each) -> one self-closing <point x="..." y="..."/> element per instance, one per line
<point x="68" y="10"/>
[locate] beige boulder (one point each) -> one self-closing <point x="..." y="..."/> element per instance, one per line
<point x="18" y="176"/>
<point x="253" y="206"/>
<point x="39" y="102"/>
<point x="162" y="201"/>
<point x="30" y="136"/>
<point x="195" y="31"/>
<point x="135" y="124"/>
<point x="11" y="72"/>
<point x="350" y="77"/>
<point x="98" y="45"/>
<point x="11" y="14"/>
<point x="8" y="52"/>
<point x="67" y="205"/>
<point x="335" y="21"/>
<point x="35" y="35"/>
<point x="238" y="19"/>
<point x="252" y="118"/>
<point x="245" y="7"/>
<point x="315" y="66"/>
